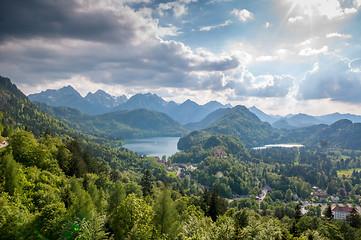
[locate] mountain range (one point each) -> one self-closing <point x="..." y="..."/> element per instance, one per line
<point x="101" y="102"/>
<point x="301" y="120"/>
<point x="238" y="121"/>
<point x="93" y="103"/>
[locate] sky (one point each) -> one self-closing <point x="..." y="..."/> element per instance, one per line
<point x="282" y="56"/>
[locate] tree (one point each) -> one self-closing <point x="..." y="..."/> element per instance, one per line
<point x="147" y="183"/>
<point x="23" y="145"/>
<point x="217" y="205"/>
<point x="1" y="126"/>
<point x="354" y="219"/>
<point x="166" y="216"/>
<point x="324" y="144"/>
<point x="298" y="213"/>
<point x="133" y="219"/>
<point x="11" y="174"/>
<point x="241" y="220"/>
<point x="288" y="195"/>
<point x="328" y="213"/>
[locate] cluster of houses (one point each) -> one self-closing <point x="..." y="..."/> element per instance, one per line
<point x="323" y="196"/>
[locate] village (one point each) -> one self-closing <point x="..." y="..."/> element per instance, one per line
<point x="318" y="197"/>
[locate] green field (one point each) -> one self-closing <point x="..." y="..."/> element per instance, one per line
<point x="347" y="172"/>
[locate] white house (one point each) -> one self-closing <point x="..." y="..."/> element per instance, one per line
<point x="341" y="213"/>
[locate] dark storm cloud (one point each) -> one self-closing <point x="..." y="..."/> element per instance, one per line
<point x="64" y="18"/>
<point x="334" y="78"/>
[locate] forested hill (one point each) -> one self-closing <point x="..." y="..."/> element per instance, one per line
<point x="245" y="125"/>
<point x="119" y="124"/>
<point x="20" y="113"/>
<point x="341" y="134"/>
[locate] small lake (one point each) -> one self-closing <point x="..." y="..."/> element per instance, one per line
<point x="155" y="147"/>
<point x="279" y="145"/>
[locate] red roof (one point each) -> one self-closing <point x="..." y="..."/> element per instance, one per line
<point x="342" y="209"/>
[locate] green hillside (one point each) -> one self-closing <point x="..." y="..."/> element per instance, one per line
<point x="120" y="124"/>
<point x="240" y="122"/>
<point x="20" y="113"/>
<point x="341" y="134"/>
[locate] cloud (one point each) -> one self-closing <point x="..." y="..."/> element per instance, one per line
<point x="331" y="9"/>
<point x="313" y="52"/>
<point x="245" y="84"/>
<point x="243" y="15"/>
<point x="208" y="28"/>
<point x="295" y="19"/>
<point x="333" y="78"/>
<point x="125" y="47"/>
<point x="179" y="8"/>
<point x="265" y="58"/>
<point x="338" y="35"/>
<point x="355" y="65"/>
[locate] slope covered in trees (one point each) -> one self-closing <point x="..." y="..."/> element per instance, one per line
<point x="57" y="188"/>
<point x="120" y="124"/>
<point x="20" y="113"/>
<point x="342" y="134"/>
<point x="241" y="123"/>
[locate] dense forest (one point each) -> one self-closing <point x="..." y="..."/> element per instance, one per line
<point x="117" y="125"/>
<point x="58" y="183"/>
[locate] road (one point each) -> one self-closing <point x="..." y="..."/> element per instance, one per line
<point x="4" y="145"/>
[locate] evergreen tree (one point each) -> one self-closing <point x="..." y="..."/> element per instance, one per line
<point x="298" y="213"/>
<point x="166" y="215"/>
<point x="328" y="213"/>
<point x="217" y="205"/>
<point x="147" y="183"/>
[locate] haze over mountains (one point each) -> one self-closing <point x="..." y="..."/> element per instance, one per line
<point x="302" y="120"/>
<point x="190" y="114"/>
<point x="238" y="121"/>
<point x="100" y="102"/>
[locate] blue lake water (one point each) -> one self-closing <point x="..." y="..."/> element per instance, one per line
<point x="279" y="145"/>
<point x="156" y="146"/>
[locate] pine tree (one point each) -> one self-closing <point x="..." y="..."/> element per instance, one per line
<point x="147" y="183"/>
<point x="166" y="215"/>
<point x="217" y="205"/>
<point x="298" y="213"/>
<point x="328" y="213"/>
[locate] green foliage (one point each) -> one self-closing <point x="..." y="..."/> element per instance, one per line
<point x="10" y="171"/>
<point x="117" y="125"/>
<point x="20" y="113"/>
<point x="133" y="219"/>
<point x="166" y="215"/>
<point x="147" y="183"/>
<point x="241" y="123"/>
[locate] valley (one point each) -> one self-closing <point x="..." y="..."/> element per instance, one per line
<point x="96" y="167"/>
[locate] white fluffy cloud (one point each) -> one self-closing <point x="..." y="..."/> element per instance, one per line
<point x="245" y="84"/>
<point x="295" y="19"/>
<point x="243" y="15"/>
<point x="313" y="52"/>
<point x="338" y="35"/>
<point x="333" y="78"/>
<point x="178" y="8"/>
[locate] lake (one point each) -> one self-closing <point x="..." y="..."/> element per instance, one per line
<point x="156" y="146"/>
<point x="278" y="145"/>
